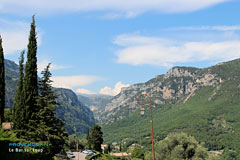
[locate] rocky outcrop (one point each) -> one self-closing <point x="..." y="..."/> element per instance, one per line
<point x="178" y="84"/>
<point x="179" y="72"/>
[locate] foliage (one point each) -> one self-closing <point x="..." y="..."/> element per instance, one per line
<point x="50" y="128"/>
<point x="180" y="146"/>
<point x="137" y="152"/>
<point x="106" y="150"/>
<point x="109" y="157"/>
<point x="34" y="111"/>
<point x="30" y="86"/>
<point x="2" y="83"/>
<point x="7" y="115"/>
<point x="72" y="142"/>
<point x="18" y="106"/>
<point x="229" y="154"/>
<point x="136" y="158"/>
<point x="95" y="138"/>
<point x="215" y="122"/>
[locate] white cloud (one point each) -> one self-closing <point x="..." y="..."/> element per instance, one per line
<point x="42" y="65"/>
<point x="130" y="7"/>
<point x="211" y="28"/>
<point x="113" y="91"/>
<point x="73" y="81"/>
<point x="84" y="91"/>
<point x="14" y="41"/>
<point x="116" y="15"/>
<point x="15" y="35"/>
<point x="135" y="39"/>
<point x="138" y="50"/>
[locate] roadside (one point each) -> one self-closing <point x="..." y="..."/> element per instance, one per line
<point x="79" y="156"/>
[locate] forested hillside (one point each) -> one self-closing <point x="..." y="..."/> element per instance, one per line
<point x="202" y="102"/>
<point x="70" y="109"/>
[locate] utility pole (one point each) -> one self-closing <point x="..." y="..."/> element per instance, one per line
<point x="142" y="113"/>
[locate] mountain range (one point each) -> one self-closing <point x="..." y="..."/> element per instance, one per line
<point x="70" y="109"/>
<point x="204" y="103"/>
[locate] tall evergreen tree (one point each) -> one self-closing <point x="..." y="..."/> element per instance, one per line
<point x="18" y="106"/>
<point x="50" y="128"/>
<point x="95" y="138"/>
<point x="30" y="84"/>
<point x="2" y="83"/>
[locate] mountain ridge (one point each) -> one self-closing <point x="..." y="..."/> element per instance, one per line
<point x="178" y="83"/>
<point x="69" y="109"/>
<point x="202" y="102"/>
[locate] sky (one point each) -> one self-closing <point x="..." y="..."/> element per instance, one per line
<point x="101" y="46"/>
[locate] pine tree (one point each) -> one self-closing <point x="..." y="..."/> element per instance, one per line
<point x="95" y="138"/>
<point x="2" y="83"/>
<point x="30" y="85"/>
<point x="18" y="106"/>
<point x="50" y="128"/>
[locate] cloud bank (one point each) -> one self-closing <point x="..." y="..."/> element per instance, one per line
<point x="128" y="8"/>
<point x="43" y="64"/>
<point x="139" y="50"/>
<point x="73" y="81"/>
<point x="113" y="91"/>
<point x="84" y="91"/>
<point x="15" y="35"/>
<point x="208" y="28"/>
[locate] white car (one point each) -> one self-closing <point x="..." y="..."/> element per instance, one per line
<point x="85" y="151"/>
<point x="71" y="156"/>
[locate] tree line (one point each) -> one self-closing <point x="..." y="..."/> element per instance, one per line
<point x="33" y="112"/>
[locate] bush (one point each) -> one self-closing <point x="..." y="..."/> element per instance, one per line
<point x="179" y="146"/>
<point x="137" y="153"/>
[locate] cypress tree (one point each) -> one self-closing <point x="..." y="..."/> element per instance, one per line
<point x="50" y="128"/>
<point x="30" y="84"/>
<point x="2" y="83"/>
<point x="95" y="138"/>
<point x="18" y="106"/>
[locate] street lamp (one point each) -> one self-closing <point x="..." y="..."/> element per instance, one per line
<point x="142" y="110"/>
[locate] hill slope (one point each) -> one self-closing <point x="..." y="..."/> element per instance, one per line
<point x="73" y="112"/>
<point x="202" y="102"/>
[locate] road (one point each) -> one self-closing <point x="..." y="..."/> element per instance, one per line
<point x="81" y="156"/>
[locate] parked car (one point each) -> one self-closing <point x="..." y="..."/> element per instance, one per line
<point x="71" y="155"/>
<point x="88" y="152"/>
<point x="69" y="151"/>
<point x="85" y="151"/>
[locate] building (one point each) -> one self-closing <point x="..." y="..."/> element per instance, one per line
<point x="6" y="125"/>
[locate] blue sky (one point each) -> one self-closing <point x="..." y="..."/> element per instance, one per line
<point x="100" y="46"/>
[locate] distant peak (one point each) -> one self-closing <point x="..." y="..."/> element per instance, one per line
<point x="181" y="72"/>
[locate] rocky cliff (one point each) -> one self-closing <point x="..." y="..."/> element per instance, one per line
<point x="204" y="103"/>
<point x="178" y="84"/>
